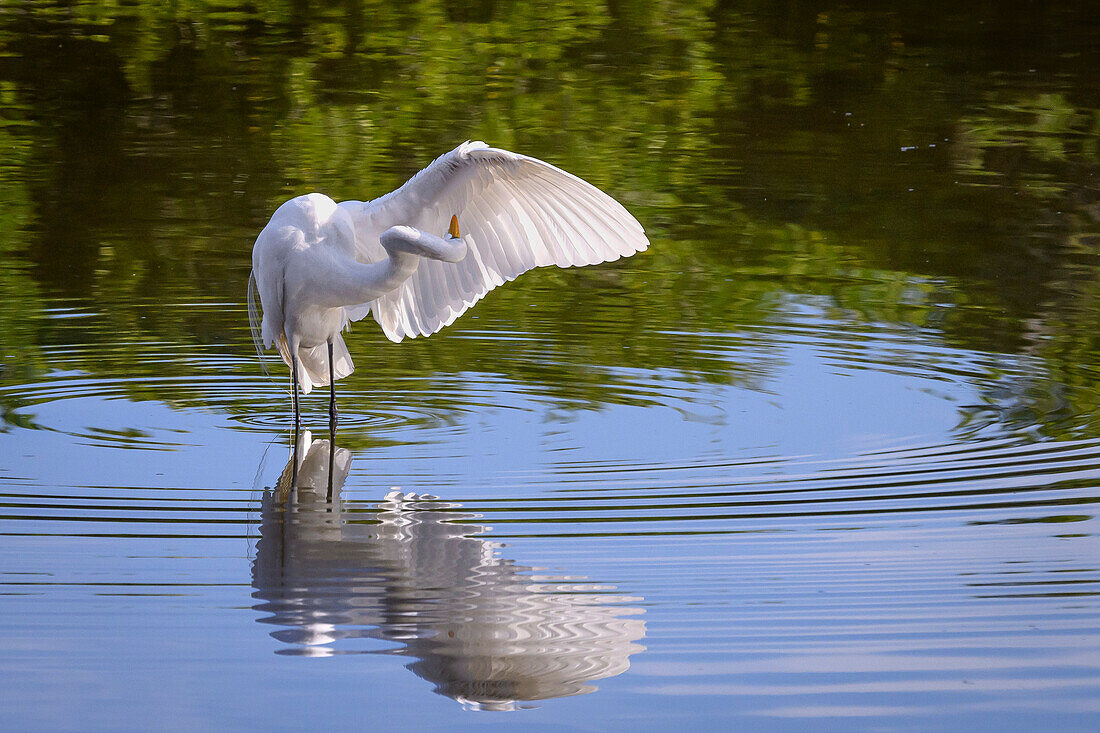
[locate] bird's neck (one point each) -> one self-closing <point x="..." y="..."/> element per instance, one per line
<point x="356" y="282"/>
<point x="397" y="268"/>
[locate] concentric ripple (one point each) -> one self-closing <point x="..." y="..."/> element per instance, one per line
<point x="809" y="515"/>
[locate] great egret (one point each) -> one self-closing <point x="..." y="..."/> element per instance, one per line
<point x="318" y="265"/>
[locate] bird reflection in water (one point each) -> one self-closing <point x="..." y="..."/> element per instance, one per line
<point x="483" y="630"/>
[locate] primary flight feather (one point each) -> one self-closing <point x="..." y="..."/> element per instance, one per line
<point x="318" y="265"/>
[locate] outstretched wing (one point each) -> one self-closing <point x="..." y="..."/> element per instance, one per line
<point x="515" y="212"/>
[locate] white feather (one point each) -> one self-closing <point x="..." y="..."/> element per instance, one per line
<point x="516" y="213"/>
<point x="318" y="265"/>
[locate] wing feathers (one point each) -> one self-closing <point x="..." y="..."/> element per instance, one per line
<point x="516" y="213"/>
<point x="566" y="217"/>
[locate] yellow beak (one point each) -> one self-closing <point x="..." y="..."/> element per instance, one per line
<point x="453" y="231"/>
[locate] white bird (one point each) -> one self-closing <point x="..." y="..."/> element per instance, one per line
<point x="318" y="264"/>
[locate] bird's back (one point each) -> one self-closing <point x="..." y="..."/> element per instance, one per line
<point x="295" y="226"/>
<point x="296" y="256"/>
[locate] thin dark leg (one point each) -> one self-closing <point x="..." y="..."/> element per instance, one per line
<point x="291" y="498"/>
<point x="294" y="392"/>
<point x="331" y="421"/>
<point x="331" y="397"/>
<point x="294" y="470"/>
<point x="331" y="465"/>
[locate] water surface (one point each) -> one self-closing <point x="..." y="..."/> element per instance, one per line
<point x="826" y="455"/>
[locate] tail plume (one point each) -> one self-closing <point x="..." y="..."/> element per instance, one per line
<point x="313" y="364"/>
<point x="254" y="323"/>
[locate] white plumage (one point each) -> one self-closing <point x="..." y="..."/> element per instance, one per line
<point x="319" y="265"/>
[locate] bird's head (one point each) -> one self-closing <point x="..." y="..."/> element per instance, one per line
<point x="452" y="231"/>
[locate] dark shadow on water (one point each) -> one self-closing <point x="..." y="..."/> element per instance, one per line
<point x="414" y="572"/>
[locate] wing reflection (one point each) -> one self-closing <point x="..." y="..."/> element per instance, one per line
<point x="484" y="631"/>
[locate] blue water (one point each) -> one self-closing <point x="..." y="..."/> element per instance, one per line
<point x="826" y="456"/>
<point x="817" y="547"/>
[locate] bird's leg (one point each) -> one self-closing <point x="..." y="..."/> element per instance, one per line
<point x="294" y="392"/>
<point x="294" y="470"/>
<point x="331" y="421"/>
<point x="291" y="499"/>
<point x="331" y="465"/>
<point x="331" y="397"/>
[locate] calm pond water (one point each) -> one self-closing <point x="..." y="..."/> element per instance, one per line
<point x="826" y="456"/>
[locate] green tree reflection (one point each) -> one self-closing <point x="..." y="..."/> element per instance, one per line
<point x="899" y="164"/>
